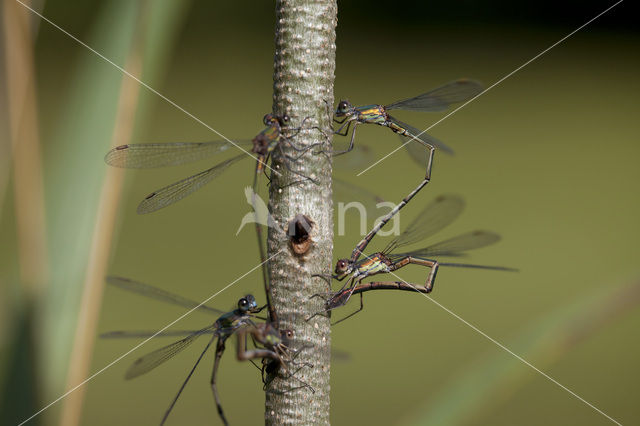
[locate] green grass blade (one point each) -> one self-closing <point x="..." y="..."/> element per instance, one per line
<point x="74" y="173"/>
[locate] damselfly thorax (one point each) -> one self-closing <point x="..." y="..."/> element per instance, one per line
<point x="265" y="142"/>
<point x="375" y="114"/>
<point x="375" y="264"/>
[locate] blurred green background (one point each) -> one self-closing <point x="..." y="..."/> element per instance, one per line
<point x="548" y="159"/>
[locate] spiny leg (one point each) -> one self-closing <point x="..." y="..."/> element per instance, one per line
<point x="325" y="277"/>
<point x="329" y="111"/>
<point x="325" y="313"/>
<point x="302" y="151"/>
<point x="265" y="387"/>
<point x="431" y="149"/>
<point x="353" y="136"/>
<point x="295" y="182"/>
<point x="296" y="354"/>
<point x="432" y="264"/>
<point x="286" y="164"/>
<point x="254" y="344"/>
<point x="346" y="125"/>
<point x="331" y="304"/>
<point x="352" y="313"/>
<point x="287" y="374"/>
<point x="297" y="130"/>
<point x="175" y="399"/>
<point x="351" y="284"/>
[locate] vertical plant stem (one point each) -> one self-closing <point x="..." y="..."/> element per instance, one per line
<point x="100" y="248"/>
<point x="156" y="28"/>
<point x="303" y="87"/>
<point x="21" y="394"/>
<point x="27" y="159"/>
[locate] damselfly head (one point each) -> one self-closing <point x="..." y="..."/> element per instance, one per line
<point x="248" y="303"/>
<point x="343" y="268"/>
<point x="286" y="335"/>
<point x="269" y="119"/>
<point x="344" y="108"/>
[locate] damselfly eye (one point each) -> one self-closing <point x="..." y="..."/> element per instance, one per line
<point x="287" y="334"/>
<point x="251" y="301"/>
<point x="242" y="303"/>
<point x="341" y="266"/>
<point x="285" y="119"/>
<point x="343" y="106"/>
<point x="267" y="119"/>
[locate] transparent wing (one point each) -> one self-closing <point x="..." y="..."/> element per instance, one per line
<point x="468" y="265"/>
<point x="436" y="215"/>
<point x="158" y="294"/>
<point x="150" y="155"/>
<point x="120" y="334"/>
<point x="441" y="97"/>
<point x="457" y="245"/>
<point x="346" y="192"/>
<point x="154" y="359"/>
<point x="359" y="157"/>
<point x="177" y="191"/>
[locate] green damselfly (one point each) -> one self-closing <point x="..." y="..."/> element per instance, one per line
<point x="152" y="155"/>
<point x="436" y="215"/>
<point x="274" y="350"/>
<point x="224" y="327"/>
<point x="437" y="99"/>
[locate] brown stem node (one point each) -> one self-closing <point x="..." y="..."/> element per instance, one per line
<point x="300" y="230"/>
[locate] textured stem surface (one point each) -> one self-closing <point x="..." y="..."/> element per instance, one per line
<point x="303" y="88"/>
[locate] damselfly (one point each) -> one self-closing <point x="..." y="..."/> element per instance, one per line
<point x="151" y="155"/>
<point x="435" y="100"/>
<point x="436" y="215"/>
<point x="438" y="99"/>
<point x="275" y="344"/>
<point x="226" y="325"/>
<point x="275" y="351"/>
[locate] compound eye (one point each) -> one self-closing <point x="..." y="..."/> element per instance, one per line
<point x="267" y="118"/>
<point x="285" y="119"/>
<point x="341" y="265"/>
<point x="342" y="106"/>
<point x="242" y="303"/>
